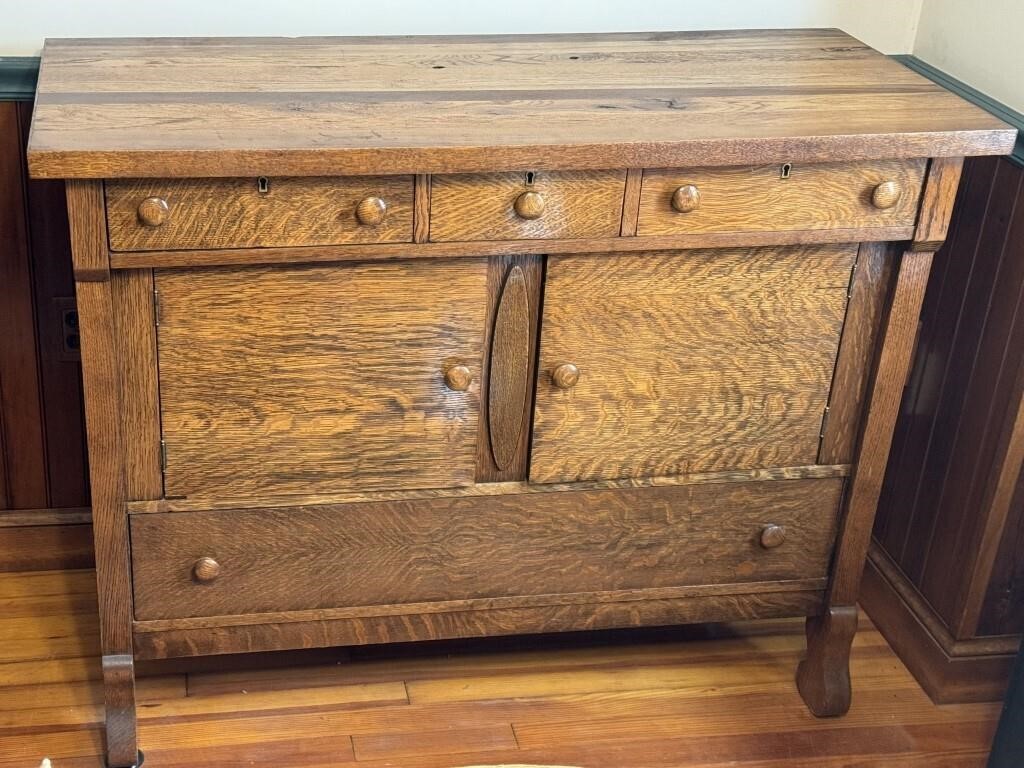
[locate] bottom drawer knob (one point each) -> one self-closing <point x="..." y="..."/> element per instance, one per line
<point x="772" y="536"/>
<point x="205" y="570"/>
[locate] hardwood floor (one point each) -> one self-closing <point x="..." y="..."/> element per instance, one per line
<point x="695" y="696"/>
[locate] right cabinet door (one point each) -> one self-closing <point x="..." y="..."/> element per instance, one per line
<point x="655" y="364"/>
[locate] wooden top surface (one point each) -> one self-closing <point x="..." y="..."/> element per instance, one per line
<point x="317" y="106"/>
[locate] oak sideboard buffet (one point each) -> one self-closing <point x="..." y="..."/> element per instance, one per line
<point x="392" y="339"/>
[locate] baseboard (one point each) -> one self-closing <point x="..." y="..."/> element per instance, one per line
<point x="46" y="547"/>
<point x="950" y="671"/>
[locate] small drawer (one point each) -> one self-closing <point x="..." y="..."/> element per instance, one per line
<point x="163" y="214"/>
<point x="515" y="206"/>
<point x="773" y="197"/>
<point x="439" y="550"/>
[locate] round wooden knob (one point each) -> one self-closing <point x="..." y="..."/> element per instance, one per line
<point x="371" y="211"/>
<point x="565" y="376"/>
<point x="206" y="569"/>
<point x="153" y="211"/>
<point x="772" y="536"/>
<point x="458" y="378"/>
<point x="529" y="205"/>
<point x="686" y="198"/>
<point x="886" y="194"/>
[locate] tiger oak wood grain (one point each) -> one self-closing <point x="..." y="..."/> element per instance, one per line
<point x="757" y="198"/>
<point x="869" y="291"/>
<point x="134" y="309"/>
<point x="657" y="392"/>
<point x="937" y="205"/>
<point x="103" y="413"/>
<point x="572" y="205"/>
<point x="222" y="107"/>
<point x="506" y="359"/>
<point x="450" y="549"/>
<point x="233" y="213"/>
<point x="508" y="376"/>
<point x="371" y="630"/>
<point x="537" y="246"/>
<point x="493" y="487"/>
<point x="313" y="379"/>
<point x="885" y="391"/>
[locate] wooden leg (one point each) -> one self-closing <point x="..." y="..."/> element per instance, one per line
<point x="823" y="677"/>
<point x="119" y="695"/>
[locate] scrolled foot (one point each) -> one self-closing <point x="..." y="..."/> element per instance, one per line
<point x="119" y="697"/>
<point x="823" y="677"/>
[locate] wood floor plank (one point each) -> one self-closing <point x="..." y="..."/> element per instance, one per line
<point x="451" y="741"/>
<point x="447" y="665"/>
<point x="707" y="697"/>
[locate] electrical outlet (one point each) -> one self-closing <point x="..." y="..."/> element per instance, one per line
<point x="66" y="322"/>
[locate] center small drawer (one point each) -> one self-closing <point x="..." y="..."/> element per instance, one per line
<point x="527" y="205"/>
<point x="772" y="198"/>
<point x="165" y="214"/>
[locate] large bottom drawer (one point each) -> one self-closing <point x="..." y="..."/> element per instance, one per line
<point x="429" y="550"/>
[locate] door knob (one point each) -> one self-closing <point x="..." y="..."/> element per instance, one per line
<point x="458" y="378"/>
<point x="565" y="376"/>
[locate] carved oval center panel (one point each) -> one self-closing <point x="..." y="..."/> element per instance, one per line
<point x="510" y="360"/>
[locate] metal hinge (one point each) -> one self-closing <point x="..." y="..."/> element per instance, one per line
<point x="156" y="307"/>
<point x="163" y="455"/>
<point x="824" y="423"/>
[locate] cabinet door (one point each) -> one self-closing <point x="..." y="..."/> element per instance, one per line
<point x="668" y="363"/>
<point x="320" y="379"/>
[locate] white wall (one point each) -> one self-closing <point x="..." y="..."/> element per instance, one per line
<point x="979" y="42"/>
<point x="889" y="25"/>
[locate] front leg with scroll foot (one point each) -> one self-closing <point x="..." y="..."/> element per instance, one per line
<point x="119" y="695"/>
<point x="823" y="677"/>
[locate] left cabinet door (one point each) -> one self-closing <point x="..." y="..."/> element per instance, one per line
<point x="290" y="381"/>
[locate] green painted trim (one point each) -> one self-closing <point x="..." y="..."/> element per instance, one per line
<point x="18" y="75"/>
<point x="1003" y="112"/>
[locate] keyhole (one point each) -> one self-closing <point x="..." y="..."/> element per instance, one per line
<point x="262" y="185"/>
<point x="530" y="178"/>
<point x="787" y="169"/>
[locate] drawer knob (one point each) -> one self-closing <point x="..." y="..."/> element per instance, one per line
<point x="371" y="211"/>
<point x="565" y="376"/>
<point x="458" y="378"/>
<point x="772" y="536"/>
<point x="686" y="198"/>
<point x="205" y="570"/>
<point x="153" y="211"/>
<point x="887" y="194"/>
<point x="529" y="205"/>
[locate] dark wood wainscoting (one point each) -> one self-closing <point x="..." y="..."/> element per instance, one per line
<point x="43" y="477"/>
<point x="945" y="581"/>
